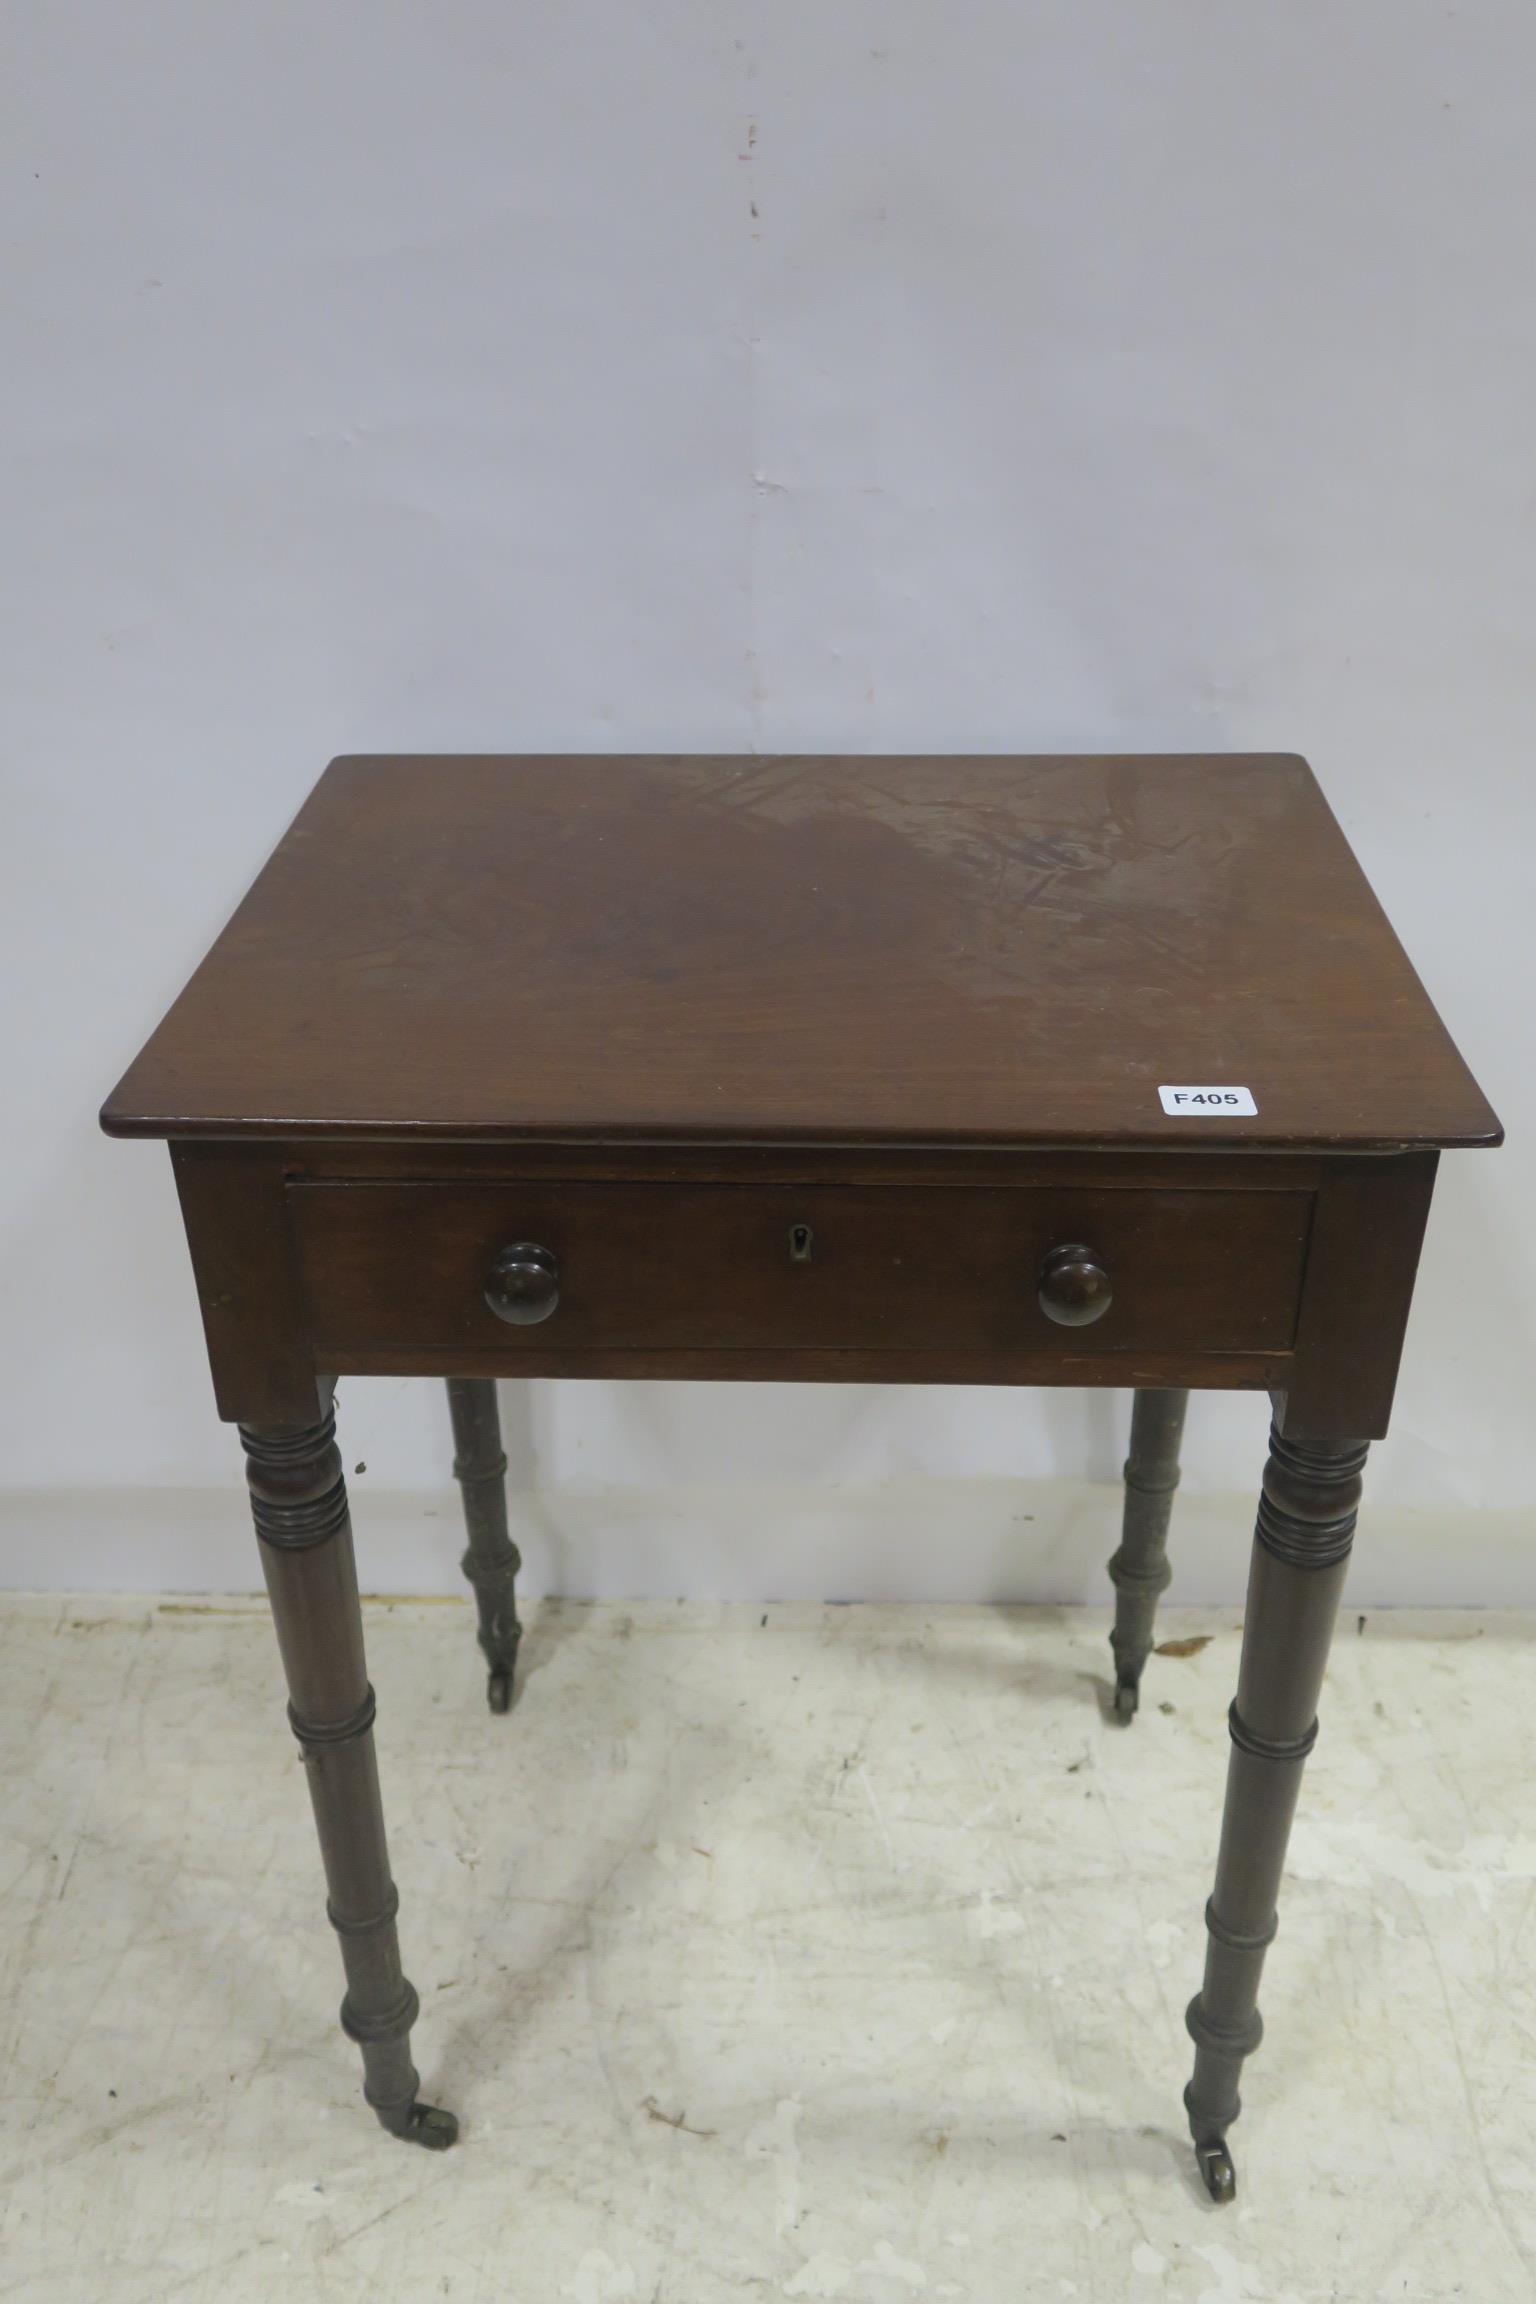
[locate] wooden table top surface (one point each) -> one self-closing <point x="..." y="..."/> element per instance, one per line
<point x="931" y="951"/>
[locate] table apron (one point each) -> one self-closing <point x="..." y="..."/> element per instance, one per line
<point x="1217" y="1283"/>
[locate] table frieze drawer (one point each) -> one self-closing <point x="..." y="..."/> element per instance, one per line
<point x="523" y="1269"/>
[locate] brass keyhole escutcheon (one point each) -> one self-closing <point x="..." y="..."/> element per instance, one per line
<point x="801" y="1240"/>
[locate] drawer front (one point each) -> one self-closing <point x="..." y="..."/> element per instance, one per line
<point x="785" y="1268"/>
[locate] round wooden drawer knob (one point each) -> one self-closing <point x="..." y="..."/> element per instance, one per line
<point x="1075" y="1288"/>
<point x="523" y="1285"/>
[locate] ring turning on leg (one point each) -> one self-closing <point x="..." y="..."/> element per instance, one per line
<point x="1306" y="1525"/>
<point x="1139" y="1571"/>
<point x="299" y="1504"/>
<point x="492" y="1560"/>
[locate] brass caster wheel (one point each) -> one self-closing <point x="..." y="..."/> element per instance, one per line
<point x="1216" y="2170"/>
<point x="500" y="1652"/>
<point x="424" y="2124"/>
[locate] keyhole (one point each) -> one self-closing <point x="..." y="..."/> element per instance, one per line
<point x="800" y="1237"/>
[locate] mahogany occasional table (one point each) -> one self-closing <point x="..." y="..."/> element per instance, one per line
<point x="934" y="1071"/>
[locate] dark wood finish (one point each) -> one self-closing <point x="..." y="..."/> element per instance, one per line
<point x="405" y="1159"/>
<point x="1301" y="1546"/>
<point x="258" y="1330"/>
<point x="1366" y="1237"/>
<point x="254" y="1318"/>
<point x="957" y="951"/>
<point x="827" y="1070"/>
<point x="1075" y="1287"/>
<point x="1139" y="1570"/>
<point x="712" y="1268"/>
<point x="492" y="1560"/>
<point x="299" y="1505"/>
<point x="1200" y="1371"/>
<point x="522" y="1284"/>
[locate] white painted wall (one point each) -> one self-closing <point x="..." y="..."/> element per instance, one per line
<point x="1127" y="373"/>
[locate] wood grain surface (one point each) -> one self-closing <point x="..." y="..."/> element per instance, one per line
<point x="945" y="951"/>
<point x="709" y="1267"/>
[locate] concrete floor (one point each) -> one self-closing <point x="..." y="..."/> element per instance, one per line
<point x="801" y="1952"/>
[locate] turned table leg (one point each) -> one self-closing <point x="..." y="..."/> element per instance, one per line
<point x="1139" y="1571"/>
<point x="492" y="1560"/>
<point x="299" y="1504"/>
<point x="1301" y="1545"/>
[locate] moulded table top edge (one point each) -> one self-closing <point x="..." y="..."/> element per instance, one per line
<point x="1222" y="1141"/>
<point x="733" y="926"/>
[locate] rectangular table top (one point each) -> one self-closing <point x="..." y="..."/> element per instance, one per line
<point x="932" y="951"/>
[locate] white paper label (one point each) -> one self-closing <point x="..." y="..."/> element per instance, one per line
<point x="1208" y="1103"/>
